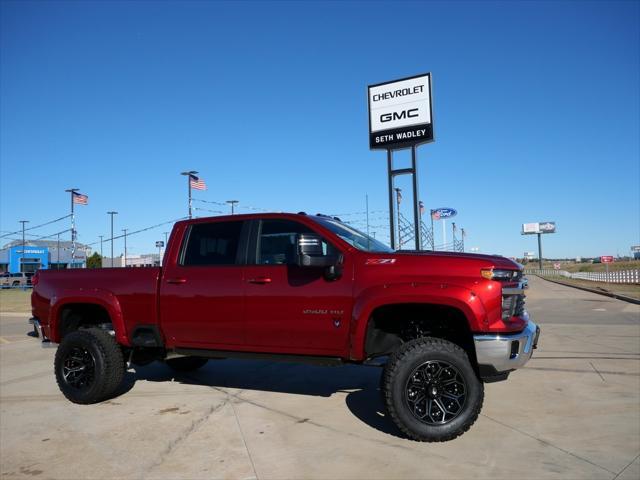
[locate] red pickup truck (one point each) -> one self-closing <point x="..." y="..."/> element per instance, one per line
<point x="303" y="288"/>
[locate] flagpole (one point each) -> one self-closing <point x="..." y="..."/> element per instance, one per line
<point x="190" y="202"/>
<point x="72" y="191"/>
<point x="444" y="234"/>
<point x="398" y="199"/>
<point x="188" y="175"/>
<point x="433" y="234"/>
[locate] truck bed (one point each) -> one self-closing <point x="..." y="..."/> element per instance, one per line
<point x="134" y="290"/>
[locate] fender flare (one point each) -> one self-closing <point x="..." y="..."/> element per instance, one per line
<point x="372" y="298"/>
<point x="95" y="296"/>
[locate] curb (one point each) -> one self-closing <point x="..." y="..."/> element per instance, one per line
<point x="593" y="290"/>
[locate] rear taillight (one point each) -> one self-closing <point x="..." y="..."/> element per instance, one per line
<point x="35" y="278"/>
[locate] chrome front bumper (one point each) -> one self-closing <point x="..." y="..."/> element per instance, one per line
<point x="37" y="328"/>
<point x="501" y="353"/>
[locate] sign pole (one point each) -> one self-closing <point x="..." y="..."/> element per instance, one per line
<point x="444" y="234"/>
<point x="607" y="267"/>
<point x="391" y="207"/>
<point x="416" y="214"/>
<point x="540" y="250"/>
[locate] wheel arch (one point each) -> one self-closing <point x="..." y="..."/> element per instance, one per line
<point x="99" y="307"/>
<point x="458" y="301"/>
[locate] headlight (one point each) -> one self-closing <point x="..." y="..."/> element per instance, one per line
<point x="499" y="275"/>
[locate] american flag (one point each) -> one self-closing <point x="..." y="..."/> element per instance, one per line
<point x="421" y="205"/>
<point x="80" y="198"/>
<point x="435" y="214"/>
<point x="197" y="183"/>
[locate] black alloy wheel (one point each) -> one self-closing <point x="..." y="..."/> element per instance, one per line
<point x="78" y="368"/>
<point x="435" y="392"/>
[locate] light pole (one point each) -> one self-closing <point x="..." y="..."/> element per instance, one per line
<point x="125" y="246"/>
<point x="73" y="191"/>
<point x="23" y="244"/>
<point x="233" y="203"/>
<point x="112" y="214"/>
<point x="188" y="175"/>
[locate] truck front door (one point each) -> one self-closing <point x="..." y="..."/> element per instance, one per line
<point x="290" y="309"/>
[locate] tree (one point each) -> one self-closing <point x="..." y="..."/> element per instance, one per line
<point x="94" y="261"/>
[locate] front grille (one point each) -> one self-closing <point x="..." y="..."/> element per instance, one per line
<point x="512" y="306"/>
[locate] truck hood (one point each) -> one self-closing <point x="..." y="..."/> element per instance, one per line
<point x="496" y="261"/>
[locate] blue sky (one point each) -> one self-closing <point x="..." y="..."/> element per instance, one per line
<point x="536" y="114"/>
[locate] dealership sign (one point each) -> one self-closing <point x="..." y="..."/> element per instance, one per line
<point x="538" y="227"/>
<point x="443" y="213"/>
<point x="400" y="113"/>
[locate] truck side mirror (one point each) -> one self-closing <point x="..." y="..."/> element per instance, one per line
<point x="310" y="253"/>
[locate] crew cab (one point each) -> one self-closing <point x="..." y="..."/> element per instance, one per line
<point x="302" y="288"/>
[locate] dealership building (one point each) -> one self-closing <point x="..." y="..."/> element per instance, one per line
<point x="41" y="254"/>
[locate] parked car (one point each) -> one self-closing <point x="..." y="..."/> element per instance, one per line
<point x="8" y="280"/>
<point x="297" y="288"/>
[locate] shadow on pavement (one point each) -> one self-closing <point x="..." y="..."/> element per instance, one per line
<point x="360" y="383"/>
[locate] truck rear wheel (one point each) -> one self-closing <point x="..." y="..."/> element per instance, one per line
<point x="431" y="391"/>
<point x="186" y="364"/>
<point x="89" y="366"/>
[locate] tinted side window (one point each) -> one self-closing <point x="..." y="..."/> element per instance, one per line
<point x="212" y="244"/>
<point x="277" y="242"/>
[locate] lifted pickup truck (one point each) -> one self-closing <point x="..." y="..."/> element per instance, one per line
<point x="301" y="288"/>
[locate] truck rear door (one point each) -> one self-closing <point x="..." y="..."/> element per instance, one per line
<point x="201" y="294"/>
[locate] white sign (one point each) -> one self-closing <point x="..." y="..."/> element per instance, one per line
<point x="400" y="112"/>
<point x="538" y="227"/>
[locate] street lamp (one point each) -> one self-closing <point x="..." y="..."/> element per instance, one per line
<point x="188" y="175"/>
<point x="23" y="244"/>
<point x="112" y="214"/>
<point x="233" y="203"/>
<point x="125" y="246"/>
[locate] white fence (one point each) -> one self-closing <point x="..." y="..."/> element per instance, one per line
<point x="621" y="276"/>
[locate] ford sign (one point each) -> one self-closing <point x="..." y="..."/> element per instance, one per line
<point x="444" y="213"/>
<point x="547" y="227"/>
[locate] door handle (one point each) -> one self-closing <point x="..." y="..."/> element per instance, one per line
<point x="260" y="280"/>
<point x="177" y="281"/>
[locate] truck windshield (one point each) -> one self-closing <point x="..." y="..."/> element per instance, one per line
<point x="353" y="237"/>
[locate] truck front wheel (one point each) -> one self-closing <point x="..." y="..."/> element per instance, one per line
<point x="431" y="390"/>
<point x="89" y="366"/>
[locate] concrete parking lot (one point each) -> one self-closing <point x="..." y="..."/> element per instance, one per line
<point x="573" y="412"/>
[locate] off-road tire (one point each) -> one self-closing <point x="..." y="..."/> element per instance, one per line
<point x="403" y="363"/>
<point x="100" y="349"/>
<point x="186" y="364"/>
